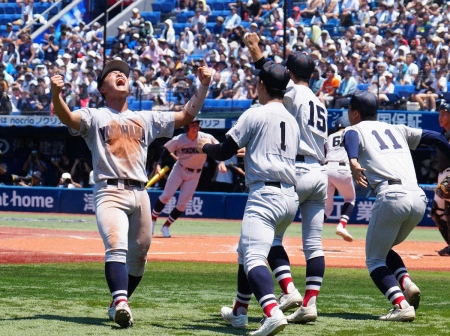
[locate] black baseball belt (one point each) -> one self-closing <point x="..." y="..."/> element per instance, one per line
<point x="126" y="182"/>
<point x="192" y="170"/>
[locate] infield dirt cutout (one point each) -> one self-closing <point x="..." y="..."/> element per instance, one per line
<point x="19" y="245"/>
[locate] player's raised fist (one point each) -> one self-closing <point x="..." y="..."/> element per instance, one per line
<point x="251" y="39"/>
<point x="57" y="84"/>
<point x="201" y="142"/>
<point x="204" y="75"/>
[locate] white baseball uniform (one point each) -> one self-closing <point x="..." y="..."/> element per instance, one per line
<point x="119" y="142"/>
<point x="338" y="171"/>
<point x="187" y="170"/>
<point x="311" y="117"/>
<point x="270" y="135"/>
<point x="384" y="151"/>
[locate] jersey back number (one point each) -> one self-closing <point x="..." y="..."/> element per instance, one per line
<point x="386" y="140"/>
<point x="317" y="117"/>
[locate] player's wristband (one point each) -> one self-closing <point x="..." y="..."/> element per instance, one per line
<point x="196" y="102"/>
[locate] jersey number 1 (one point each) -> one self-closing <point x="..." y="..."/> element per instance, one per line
<point x="283" y="135"/>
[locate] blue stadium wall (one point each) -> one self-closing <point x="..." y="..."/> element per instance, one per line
<point x="202" y="205"/>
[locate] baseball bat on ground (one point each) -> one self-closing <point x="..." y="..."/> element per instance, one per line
<point x="157" y="177"/>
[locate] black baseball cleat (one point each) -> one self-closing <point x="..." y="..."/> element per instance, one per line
<point x="445" y="252"/>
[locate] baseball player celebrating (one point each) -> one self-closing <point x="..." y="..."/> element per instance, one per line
<point x="340" y="178"/>
<point x="118" y="139"/>
<point x="440" y="211"/>
<point x="311" y="116"/>
<point x="270" y="136"/>
<point x="185" y="173"/>
<point x="380" y="156"/>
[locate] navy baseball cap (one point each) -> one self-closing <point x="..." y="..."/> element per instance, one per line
<point x="114" y="65"/>
<point x="273" y="75"/>
<point x="365" y="102"/>
<point x="300" y="64"/>
<point x="445" y="107"/>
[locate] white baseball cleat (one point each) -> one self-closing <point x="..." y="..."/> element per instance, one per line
<point x="398" y="314"/>
<point x="165" y="231"/>
<point x="240" y="321"/>
<point x="303" y="315"/>
<point x="122" y="315"/>
<point x="289" y="301"/>
<point x="111" y="311"/>
<point x="271" y="325"/>
<point x="412" y="295"/>
<point x="342" y="231"/>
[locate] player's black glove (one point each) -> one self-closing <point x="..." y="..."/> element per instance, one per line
<point x="442" y="189"/>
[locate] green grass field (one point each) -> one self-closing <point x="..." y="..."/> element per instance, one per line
<point x="185" y="298"/>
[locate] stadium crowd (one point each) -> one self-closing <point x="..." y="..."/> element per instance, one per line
<point x="380" y="45"/>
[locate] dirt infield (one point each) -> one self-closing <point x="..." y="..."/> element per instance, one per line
<point x="18" y="245"/>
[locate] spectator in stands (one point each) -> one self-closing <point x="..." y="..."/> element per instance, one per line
<point x="15" y="97"/>
<point x="216" y="86"/>
<point x="43" y="104"/>
<point x="316" y="81"/>
<point x="254" y="10"/>
<point x="9" y="36"/>
<point x="348" y="8"/>
<point x="34" y="181"/>
<point x="81" y="97"/>
<point x="296" y="15"/>
<point x="168" y="34"/>
<point x="147" y="30"/>
<point x="26" y="49"/>
<point x="205" y="10"/>
<point x="155" y="51"/>
<point x="133" y="42"/>
<point x="68" y="94"/>
<point x="312" y="7"/>
<point x="388" y="87"/>
<point x="421" y="57"/>
<point x="232" y="90"/>
<point x="166" y="50"/>
<point x="63" y="41"/>
<point x="121" y="37"/>
<point x="5" y="176"/>
<point x="198" y="17"/>
<point x="33" y="164"/>
<point x="26" y="11"/>
<point x="217" y="29"/>
<point x="66" y="182"/>
<point x="241" y="8"/>
<point x="402" y="77"/>
<point x="424" y="85"/>
<point x="412" y="68"/>
<point x="80" y="172"/>
<point x="345" y="90"/>
<point x="410" y="28"/>
<point x="329" y="87"/>
<point x="136" y="19"/>
<point x="5" y="100"/>
<point x="233" y="19"/>
<point x="50" y="48"/>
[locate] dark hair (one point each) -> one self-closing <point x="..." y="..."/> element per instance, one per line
<point x="275" y="93"/>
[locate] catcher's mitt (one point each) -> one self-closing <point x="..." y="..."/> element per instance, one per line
<point x="442" y="189"/>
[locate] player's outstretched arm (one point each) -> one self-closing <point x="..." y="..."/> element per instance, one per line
<point x="71" y="119"/>
<point x="193" y="106"/>
<point x="251" y="41"/>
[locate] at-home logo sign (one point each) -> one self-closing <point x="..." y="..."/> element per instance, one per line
<point x="13" y="199"/>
